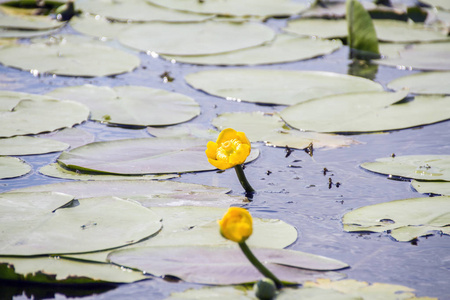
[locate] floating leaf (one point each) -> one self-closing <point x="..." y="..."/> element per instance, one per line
<point x="401" y="217"/>
<point x="136" y="10"/>
<point x="148" y="193"/>
<point x="95" y="224"/>
<point x="27" y="145"/>
<point x="225" y="265"/>
<point x="55" y="170"/>
<point x="433" y="56"/>
<point x="142" y="156"/>
<point x="361" y="32"/>
<point x="11" y="167"/>
<point x="23" y="22"/>
<point x="322" y="28"/>
<point x="432" y="187"/>
<point x="285" y="48"/>
<point x="366" y="112"/>
<point x="192" y="130"/>
<point x="421" y="167"/>
<point x="70" y="58"/>
<point x="50" y="270"/>
<point x="74" y="136"/>
<point x="437" y="3"/>
<point x="263" y="8"/>
<point x="97" y="26"/>
<point x="272" y="130"/>
<point x="197" y="225"/>
<point x="276" y="86"/>
<point x="131" y="105"/>
<point x="195" y="38"/>
<point x="32" y="114"/>
<point x="404" y="32"/>
<point x="423" y="83"/>
<point x="17" y="33"/>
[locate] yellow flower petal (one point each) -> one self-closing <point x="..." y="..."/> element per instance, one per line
<point x="236" y="225"/>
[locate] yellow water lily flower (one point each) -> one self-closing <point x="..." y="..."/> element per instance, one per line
<point x="236" y="225"/>
<point x="230" y="149"/>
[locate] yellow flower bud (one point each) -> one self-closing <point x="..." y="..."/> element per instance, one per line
<point x="230" y="149"/>
<point x="236" y="225"/>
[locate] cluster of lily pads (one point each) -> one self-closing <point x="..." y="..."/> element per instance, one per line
<point x="171" y="226"/>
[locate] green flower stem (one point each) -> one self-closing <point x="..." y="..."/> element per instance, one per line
<point x="242" y="179"/>
<point x="258" y="265"/>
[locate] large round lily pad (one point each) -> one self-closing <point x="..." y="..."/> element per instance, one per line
<point x="195" y="38"/>
<point x="136" y="10"/>
<point x="432" y="187"/>
<point x="285" y="48"/>
<point x="405" y="219"/>
<point x="28" y="22"/>
<point x="94" y="224"/>
<point x="141" y="156"/>
<point x="11" y="167"/>
<point x="32" y="114"/>
<point x="367" y="112"/>
<point x="225" y="265"/>
<point x="148" y="193"/>
<point x="431" y="56"/>
<point x="64" y="57"/>
<point x="131" y="105"/>
<point x="421" y="167"/>
<point x="56" y="270"/>
<point x="272" y="130"/>
<point x="423" y="83"/>
<point x="27" y="145"/>
<point x="277" y="86"/>
<point x="262" y="8"/>
<point x="322" y="28"/>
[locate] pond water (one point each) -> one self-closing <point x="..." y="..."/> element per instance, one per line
<point x="295" y="190"/>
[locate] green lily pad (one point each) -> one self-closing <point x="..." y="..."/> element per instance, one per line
<point x="197" y="225"/>
<point x="98" y="26"/>
<point x="136" y="10"/>
<point x="55" y="170"/>
<point x="56" y="270"/>
<point x="437" y="3"/>
<point x="421" y="167"/>
<point x="322" y="28"/>
<point x="432" y="56"/>
<point x="11" y="167"/>
<point x="285" y="48"/>
<point x="32" y="114"/>
<point x="276" y="86"/>
<point x="192" y="130"/>
<point x="195" y="38"/>
<point x="347" y="289"/>
<point x="61" y="56"/>
<point x="423" y="83"/>
<point x="225" y="265"/>
<point x="94" y="224"/>
<point x="142" y="156"/>
<point x="75" y="137"/>
<point x="367" y="112"/>
<point x="131" y="105"/>
<point x="404" y="32"/>
<point x="23" y="22"/>
<point x="27" y="145"/>
<point x="147" y="193"/>
<point x="403" y="218"/>
<point x="262" y="8"/>
<point x="17" y="33"/>
<point x="432" y="187"/>
<point x="272" y="130"/>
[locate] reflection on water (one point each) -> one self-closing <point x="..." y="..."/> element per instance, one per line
<point x="13" y="290"/>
